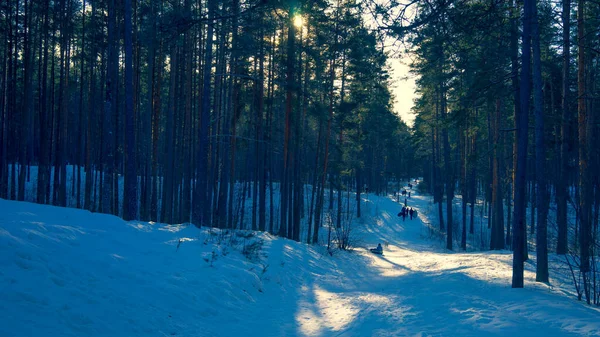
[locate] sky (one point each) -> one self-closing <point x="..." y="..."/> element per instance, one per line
<point x="403" y="87"/>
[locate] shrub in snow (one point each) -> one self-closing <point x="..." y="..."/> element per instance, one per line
<point x="343" y="235"/>
<point x="252" y="249"/>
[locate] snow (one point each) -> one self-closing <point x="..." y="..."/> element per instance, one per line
<point x="69" y="272"/>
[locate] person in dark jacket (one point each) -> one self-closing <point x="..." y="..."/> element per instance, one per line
<point x="378" y="250"/>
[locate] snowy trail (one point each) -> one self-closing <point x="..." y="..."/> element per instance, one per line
<point x="67" y="272"/>
<point x="420" y="289"/>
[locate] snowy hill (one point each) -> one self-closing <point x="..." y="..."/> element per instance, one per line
<point x="68" y="272"/>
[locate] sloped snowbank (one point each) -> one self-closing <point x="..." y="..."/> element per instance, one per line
<point x="68" y="272"/>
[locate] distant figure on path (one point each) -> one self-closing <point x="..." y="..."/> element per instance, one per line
<point x="411" y="212"/>
<point x="409" y="194"/>
<point x="378" y="250"/>
<point x="402" y="211"/>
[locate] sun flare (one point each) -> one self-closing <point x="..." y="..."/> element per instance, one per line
<point x="298" y="21"/>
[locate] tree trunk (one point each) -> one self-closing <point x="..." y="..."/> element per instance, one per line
<point x="262" y="151"/>
<point x="156" y="114"/>
<point x="585" y="127"/>
<point x="473" y="179"/>
<point x="449" y="172"/>
<point x="522" y="122"/>
<point x="130" y="200"/>
<point x="168" y="192"/>
<point x="563" y="180"/>
<point x="27" y="108"/>
<point x="290" y="83"/>
<point x="497" y="236"/>
<point x="540" y="162"/>
<point x="44" y="141"/>
<point x="358" y="190"/>
<point x="201" y="207"/>
<point x="516" y="89"/>
<point x="107" y="139"/>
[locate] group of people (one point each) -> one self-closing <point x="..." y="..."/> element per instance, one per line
<point x="407" y="211"/>
<point x="405" y="192"/>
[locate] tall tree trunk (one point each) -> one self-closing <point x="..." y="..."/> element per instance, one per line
<point x="186" y="146"/>
<point x="540" y="149"/>
<point x="516" y="89"/>
<point x="563" y="179"/>
<point x="168" y="169"/>
<point x="438" y="191"/>
<point x="227" y="123"/>
<point x="156" y="114"/>
<point x="63" y="100"/>
<point x="497" y="236"/>
<point x="201" y="207"/>
<point x="130" y="200"/>
<point x="464" y="152"/>
<point x="290" y="83"/>
<point x="27" y="101"/>
<point x="45" y="133"/>
<point x="314" y="184"/>
<point x="449" y="171"/>
<point x="320" y="197"/>
<point x="359" y="183"/>
<point x="585" y="127"/>
<point x="147" y="212"/>
<point x="522" y="122"/>
<point x="262" y="152"/>
<point x="473" y="178"/>
<point x="81" y="142"/>
<point x="12" y="97"/>
<point x="107" y="127"/>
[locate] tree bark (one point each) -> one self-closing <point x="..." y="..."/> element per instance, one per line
<point x="522" y="123"/>
<point x="201" y="207"/>
<point x="130" y="200"/>
<point x="290" y="85"/>
<point x="540" y="156"/>
<point x="585" y="127"/>
<point x="565" y="155"/>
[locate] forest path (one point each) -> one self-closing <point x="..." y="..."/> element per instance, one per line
<point x="418" y="288"/>
<point x="69" y="272"/>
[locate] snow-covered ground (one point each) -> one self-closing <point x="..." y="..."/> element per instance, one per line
<point x="69" y="272"/>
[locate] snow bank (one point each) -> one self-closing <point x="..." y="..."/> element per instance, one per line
<point x="69" y="272"/>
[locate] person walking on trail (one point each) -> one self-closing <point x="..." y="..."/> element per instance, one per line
<point x="411" y="212"/>
<point x="401" y="212"/>
<point x="405" y="202"/>
<point x="409" y="194"/>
